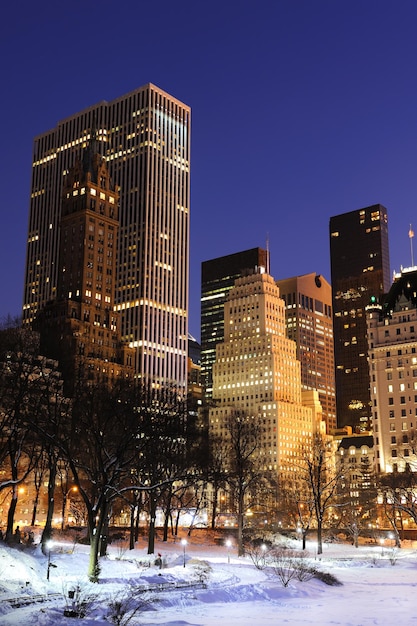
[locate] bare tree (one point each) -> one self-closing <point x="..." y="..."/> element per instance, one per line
<point x="318" y="480"/>
<point x="163" y="459"/>
<point x="297" y="502"/>
<point x="245" y="475"/>
<point x="399" y="491"/>
<point x="357" y="498"/>
<point x="100" y="451"/>
<point x="21" y="392"/>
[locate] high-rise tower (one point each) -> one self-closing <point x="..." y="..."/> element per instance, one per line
<point x="256" y="372"/>
<point x="80" y="328"/>
<point x="392" y="336"/>
<point x="309" y="320"/>
<point x="217" y="279"/>
<point x="145" y="138"/>
<point x="359" y="255"/>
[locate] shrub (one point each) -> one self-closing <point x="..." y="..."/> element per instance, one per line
<point x="122" y="609"/>
<point x="258" y="554"/>
<point x="284" y="565"/>
<point x="327" y="578"/>
<point x="79" y="600"/>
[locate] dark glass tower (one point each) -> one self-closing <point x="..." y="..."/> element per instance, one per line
<point x="217" y="278"/>
<point x="359" y="256"/>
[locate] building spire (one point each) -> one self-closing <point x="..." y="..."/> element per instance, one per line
<point x="268" y="264"/>
<point x="411" y="235"/>
<point x="91" y="150"/>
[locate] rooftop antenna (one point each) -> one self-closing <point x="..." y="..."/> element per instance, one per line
<point x="267" y="255"/>
<point x="411" y="235"/>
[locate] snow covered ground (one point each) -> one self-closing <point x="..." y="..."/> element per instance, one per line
<point x="376" y="588"/>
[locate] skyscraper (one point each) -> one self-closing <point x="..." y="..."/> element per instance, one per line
<point x="80" y="328"/>
<point x="309" y="321"/>
<point x="359" y="256"/>
<point x="145" y="138"/>
<point x="392" y="336"/>
<point x="217" y="279"/>
<point x="256" y="373"/>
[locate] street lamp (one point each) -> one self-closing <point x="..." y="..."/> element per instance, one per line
<point x="229" y="545"/>
<point x="184" y="543"/>
<point x="49" y="545"/>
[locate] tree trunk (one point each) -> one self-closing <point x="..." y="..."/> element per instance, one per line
<point x="166" y="523"/>
<point x="35" y="507"/>
<point x="47" y="531"/>
<point x="93" y="566"/>
<point x="240" y="547"/>
<point x="319" y="537"/>
<point x="177" y="521"/>
<point x="104" y="535"/>
<point x="214" y="508"/>
<point x="95" y="545"/>
<point x="10" y="515"/>
<point x="304" y="532"/>
<point x="137" y="520"/>
<point x="64" y="508"/>
<point x="152" y="514"/>
<point x="132" y="528"/>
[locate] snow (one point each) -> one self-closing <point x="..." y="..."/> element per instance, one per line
<point x="376" y="588"/>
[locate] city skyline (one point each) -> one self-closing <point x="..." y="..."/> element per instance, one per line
<point x="300" y="111"/>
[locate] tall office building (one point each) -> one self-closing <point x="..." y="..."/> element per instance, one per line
<point x="309" y="321"/>
<point x="256" y="372"/>
<point x="392" y="336"/>
<point x="145" y="138"/>
<point x="359" y="256"/>
<point x="217" y="279"/>
<point x="80" y="328"/>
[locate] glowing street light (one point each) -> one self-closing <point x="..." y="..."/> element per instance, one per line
<point x="184" y="543"/>
<point x="49" y="545"/>
<point x="228" y="545"/>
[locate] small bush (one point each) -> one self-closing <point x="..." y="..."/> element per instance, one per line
<point x="393" y="556"/>
<point x="284" y="565"/>
<point x="303" y="571"/>
<point x="79" y="600"/>
<point x="258" y="554"/>
<point x="327" y="578"/>
<point x="123" y="609"/>
<point x="201" y="570"/>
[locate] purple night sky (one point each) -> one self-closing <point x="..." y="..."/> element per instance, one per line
<point x="301" y="109"/>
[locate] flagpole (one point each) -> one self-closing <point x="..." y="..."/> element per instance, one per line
<point x="411" y="235"/>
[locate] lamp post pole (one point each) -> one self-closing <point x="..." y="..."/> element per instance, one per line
<point x="49" y="546"/>
<point x="184" y="543"/>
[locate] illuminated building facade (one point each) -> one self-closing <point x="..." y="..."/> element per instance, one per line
<point x="359" y="256"/>
<point x="309" y="321"/>
<point x="80" y="328"/>
<point x="256" y="373"/>
<point x="217" y="279"/>
<point x="392" y="335"/>
<point x="145" y="139"/>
